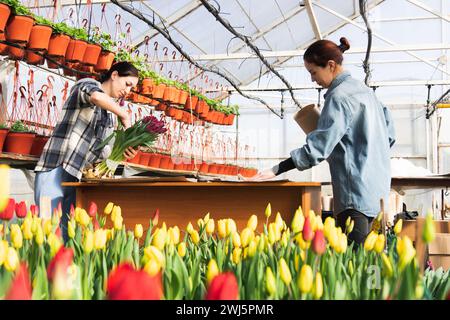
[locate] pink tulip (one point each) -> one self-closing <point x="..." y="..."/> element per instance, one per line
<point x="307" y="231"/>
<point x="319" y="243"/>
<point x="92" y="209"/>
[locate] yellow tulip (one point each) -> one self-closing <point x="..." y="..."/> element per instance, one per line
<point x="318" y="286"/>
<point x="35" y="222"/>
<point x="319" y="223"/>
<point x="284" y="239"/>
<point x="39" y="237"/>
<point x="347" y="222"/>
<point x="231" y="226"/>
<point x="328" y="226"/>
<point x="222" y="228"/>
<point x="369" y="243"/>
<point x="379" y="243"/>
<point x="270" y="282"/>
<point x="210" y="226"/>
<point x="55" y="243"/>
<point x="189" y="228"/>
<point x="262" y="243"/>
<point x="298" y="221"/>
<point x="3" y="251"/>
<point x="212" y="270"/>
<point x="182" y="249"/>
<point x="252" y="246"/>
<point x="88" y="243"/>
<point x="138" y="231"/>
<point x="246" y="236"/>
<point x="305" y="279"/>
<point x="429" y="232"/>
<point x="268" y="211"/>
<point x="71" y="228"/>
<point x="407" y="253"/>
<point x="108" y="208"/>
<point x="84" y="218"/>
<point x="350" y="268"/>
<point x="312" y="219"/>
<point x="99" y="239"/>
<point x="11" y="259"/>
<point x="176" y="235"/>
<point x="237" y="252"/>
<point x="272" y="233"/>
<point x="252" y="222"/>
<point x="350" y="227"/>
<point x="200" y="223"/>
<point x="118" y="223"/>
<point x="285" y="273"/>
<point x="398" y="226"/>
<point x="115" y="213"/>
<point x="16" y="236"/>
<point x="109" y="234"/>
<point x="4" y="186"/>
<point x="342" y="246"/>
<point x="333" y="237"/>
<point x="195" y="237"/>
<point x="387" y="266"/>
<point x="279" y="221"/>
<point x="304" y="245"/>
<point x="159" y="239"/>
<point x="236" y="239"/>
<point x="152" y="267"/>
<point x="152" y="252"/>
<point x="206" y="218"/>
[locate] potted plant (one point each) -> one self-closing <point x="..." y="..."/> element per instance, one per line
<point x="19" y="139"/>
<point x="106" y="58"/>
<point x="38" y="145"/>
<point x="5" y="12"/>
<point x="59" y="41"/>
<point x="19" y="25"/>
<point x="77" y="45"/>
<point x="3" y="133"/>
<point x="93" y="50"/>
<point x="39" y="40"/>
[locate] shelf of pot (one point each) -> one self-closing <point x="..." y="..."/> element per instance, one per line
<point x="18" y="161"/>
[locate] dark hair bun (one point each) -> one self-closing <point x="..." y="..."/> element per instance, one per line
<point x="345" y="45"/>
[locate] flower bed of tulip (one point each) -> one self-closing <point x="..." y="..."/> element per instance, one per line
<point x="309" y="259"/>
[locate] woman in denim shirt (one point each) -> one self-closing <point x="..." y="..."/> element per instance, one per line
<point x="354" y="134"/>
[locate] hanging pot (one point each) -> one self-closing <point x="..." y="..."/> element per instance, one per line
<point x="145" y="157"/>
<point x="155" y="160"/>
<point x="33" y="58"/>
<point x="3" y="47"/>
<point x="147" y="86"/>
<point x="91" y="54"/>
<point x="58" y="44"/>
<point x="191" y="102"/>
<point x="19" y="29"/>
<point x="3" y="134"/>
<point x="39" y="37"/>
<point x="75" y="50"/>
<point x="5" y="11"/>
<point x="38" y="145"/>
<point x="137" y="158"/>
<point x="19" y="142"/>
<point x="53" y="65"/>
<point x="204" y="167"/>
<point x="105" y="61"/>
<point x="15" y="53"/>
<point x="158" y="91"/>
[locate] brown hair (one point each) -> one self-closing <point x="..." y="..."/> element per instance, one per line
<point x="322" y="51"/>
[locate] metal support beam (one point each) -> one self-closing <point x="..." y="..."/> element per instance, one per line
<point x="313" y="19"/>
<point x="428" y="9"/>
<point x="50" y="3"/>
<point x="376" y="35"/>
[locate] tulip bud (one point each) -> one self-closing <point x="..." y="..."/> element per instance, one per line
<point x="100" y="239"/>
<point x="398" y="227"/>
<point x="231" y="226"/>
<point x="11" y="260"/>
<point x="152" y="267"/>
<point x="348" y="221"/>
<point x="174" y="235"/>
<point x="54" y="242"/>
<point x="138" y="231"/>
<point x="212" y="270"/>
<point x="84" y="218"/>
<point x="118" y="223"/>
<point x="272" y="233"/>
<point x="305" y="279"/>
<point x="302" y="243"/>
<point x="237" y="255"/>
<point x="369" y="243"/>
<point x="159" y="239"/>
<point x="210" y="226"/>
<point x="319" y="244"/>
<point x="222" y="228"/>
<point x="252" y="247"/>
<point x="155" y="218"/>
<point x="328" y="226"/>
<point x="350" y="227"/>
<point x="182" y="249"/>
<point x="350" y="268"/>
<point x="92" y="209"/>
<point x="236" y="239"/>
<point x="307" y="232"/>
<point x="342" y="243"/>
<point x="189" y="228"/>
<point x="200" y="223"/>
<point x="39" y="237"/>
<point x="279" y="221"/>
<point x="407" y="253"/>
<point x="16" y="236"/>
<point x="379" y="243"/>
<point x="284" y="239"/>
<point x="108" y="208"/>
<point x="428" y="234"/>
<point x="268" y="211"/>
<point x="298" y="221"/>
<point x="270" y="282"/>
<point x="88" y="243"/>
<point x="195" y="237"/>
<point x="71" y="228"/>
<point x="252" y="222"/>
<point x="246" y="236"/>
<point x="318" y="287"/>
<point x="115" y="213"/>
<point x="206" y="218"/>
<point x="285" y="273"/>
<point x="152" y="252"/>
<point x="387" y="266"/>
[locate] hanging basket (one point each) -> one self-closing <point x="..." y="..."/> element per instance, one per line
<point x="58" y="44"/>
<point x="105" y="61"/>
<point x="91" y="54"/>
<point x="39" y="37"/>
<point x="19" y="142"/>
<point x="19" y="29"/>
<point x="75" y="50"/>
<point x="5" y="11"/>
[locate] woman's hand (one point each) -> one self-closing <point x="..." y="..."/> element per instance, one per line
<point x="130" y="153"/>
<point x="125" y="118"/>
<point x="260" y="176"/>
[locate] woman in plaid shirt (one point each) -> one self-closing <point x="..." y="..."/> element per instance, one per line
<point x="87" y="114"/>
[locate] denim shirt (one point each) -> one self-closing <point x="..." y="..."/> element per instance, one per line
<point x="354" y="134"/>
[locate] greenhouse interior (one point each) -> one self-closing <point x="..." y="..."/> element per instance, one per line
<point x="138" y="120"/>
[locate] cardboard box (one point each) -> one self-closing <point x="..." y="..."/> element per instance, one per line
<point x="439" y="251"/>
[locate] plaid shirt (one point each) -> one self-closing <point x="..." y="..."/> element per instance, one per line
<point x="77" y="135"/>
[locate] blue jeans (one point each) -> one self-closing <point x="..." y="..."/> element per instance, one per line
<point x="48" y="184"/>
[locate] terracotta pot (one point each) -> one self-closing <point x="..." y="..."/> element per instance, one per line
<point x="153" y="103"/>
<point x="19" y="142"/>
<point x="33" y="58"/>
<point x="58" y="44"/>
<point x="204" y="167"/>
<point x="234" y="170"/>
<point x="5" y="11"/>
<point x="145" y="157"/>
<point x="168" y="94"/>
<point x="183" y="96"/>
<point x="39" y="143"/>
<point x="199" y="106"/>
<point x="52" y="65"/>
<point x="137" y="158"/>
<point x="179" y="166"/>
<point x="191" y="102"/>
<point x="178" y="114"/>
<point x="213" y="168"/>
<point x="19" y="29"/>
<point x="147" y="86"/>
<point x="68" y="72"/>
<point x="39" y="37"/>
<point x="155" y="160"/>
<point x="176" y="95"/>
<point x="230" y="119"/>
<point x="3" y="134"/>
<point x="15" y="53"/>
<point x="158" y="91"/>
<point x="221" y="169"/>
<point x="220" y="117"/>
<point x="91" y="54"/>
<point x="161" y="107"/>
<point x="105" y="61"/>
<point x="164" y="162"/>
<point x="170" y="165"/>
<point x="3" y="47"/>
<point x="75" y="50"/>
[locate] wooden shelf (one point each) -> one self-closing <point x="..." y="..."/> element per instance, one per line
<point x="18" y="161"/>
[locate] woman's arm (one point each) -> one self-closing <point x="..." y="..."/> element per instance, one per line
<point x="102" y="100"/>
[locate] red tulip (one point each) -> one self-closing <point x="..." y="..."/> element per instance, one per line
<point x="156" y="217"/>
<point x="224" y="286"/>
<point x="8" y="213"/>
<point x="58" y="232"/>
<point x="62" y="260"/>
<point x="34" y="210"/>
<point x="318" y="243"/>
<point x="126" y="283"/>
<point x="21" y="209"/>
<point x="307" y="231"/>
<point x="92" y="209"/>
<point x="20" y="287"/>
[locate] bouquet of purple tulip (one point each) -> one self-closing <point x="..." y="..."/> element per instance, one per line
<point x="143" y="133"/>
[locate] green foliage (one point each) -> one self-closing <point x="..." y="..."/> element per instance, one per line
<point x="19" y="126"/>
<point x="17" y="7"/>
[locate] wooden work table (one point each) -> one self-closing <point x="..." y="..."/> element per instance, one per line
<point x="181" y="202"/>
